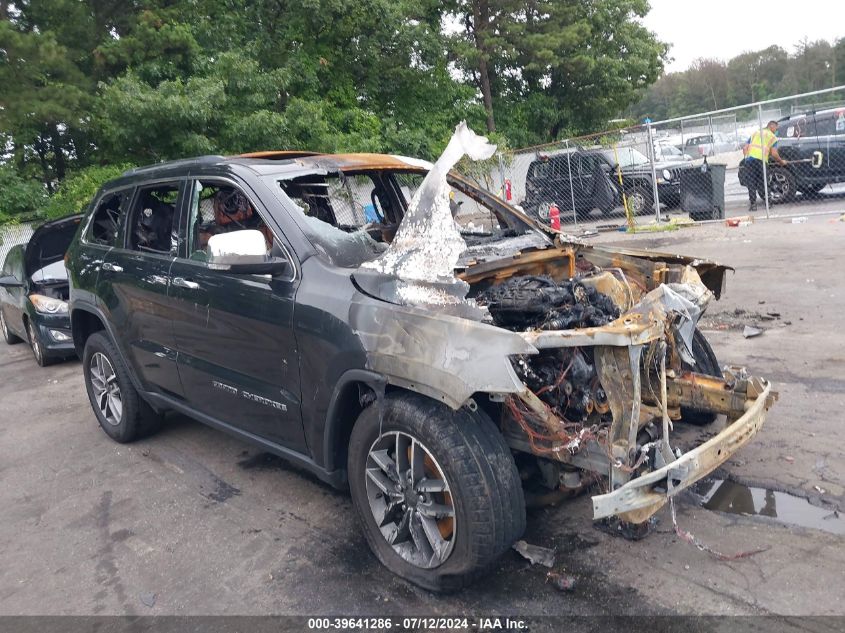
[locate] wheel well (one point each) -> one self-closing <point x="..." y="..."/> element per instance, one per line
<point x="83" y="324"/>
<point x="351" y="400"/>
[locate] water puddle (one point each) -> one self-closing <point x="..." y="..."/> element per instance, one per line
<point x="728" y="496"/>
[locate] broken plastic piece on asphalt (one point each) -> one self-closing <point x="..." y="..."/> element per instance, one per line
<point x="789" y="458"/>
<point x="819" y="489"/>
<point x="561" y="582"/>
<point x="801" y="220"/>
<point x="751" y="332"/>
<point x="535" y="554"/>
<point x="148" y="598"/>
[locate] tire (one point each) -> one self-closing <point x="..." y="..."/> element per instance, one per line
<point x="10" y="338"/>
<point x="705" y="363"/>
<point x="135" y="418"/>
<point x="781" y="186"/>
<point x="37" y="346"/>
<point x="484" y="490"/>
<point x="639" y="200"/>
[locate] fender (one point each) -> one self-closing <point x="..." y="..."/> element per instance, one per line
<point x="85" y="306"/>
<point x="335" y="420"/>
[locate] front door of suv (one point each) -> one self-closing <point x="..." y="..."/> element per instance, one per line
<point x="237" y="353"/>
<point x="133" y="284"/>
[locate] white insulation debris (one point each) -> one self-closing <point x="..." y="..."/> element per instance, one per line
<point x="428" y="243"/>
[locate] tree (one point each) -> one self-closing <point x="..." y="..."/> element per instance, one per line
<point x="553" y="65"/>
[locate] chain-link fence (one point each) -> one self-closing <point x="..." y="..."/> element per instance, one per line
<point x="12" y="235"/>
<point x="695" y="168"/>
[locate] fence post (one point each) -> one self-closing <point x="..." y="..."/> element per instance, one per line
<point x="571" y="190"/>
<point x="502" y="175"/>
<point x="651" y="152"/>
<point x="765" y="159"/>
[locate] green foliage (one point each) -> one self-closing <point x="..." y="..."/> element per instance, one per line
<point x="749" y="77"/>
<point x="100" y="82"/>
<point x="77" y="190"/>
<point x="19" y="197"/>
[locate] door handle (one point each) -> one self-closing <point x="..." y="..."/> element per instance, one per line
<point x="181" y="282"/>
<point x="112" y="267"/>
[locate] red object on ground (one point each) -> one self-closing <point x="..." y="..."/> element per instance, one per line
<point x="554" y="217"/>
<point x="508" y="192"/>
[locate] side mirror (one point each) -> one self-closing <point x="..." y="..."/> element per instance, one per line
<point x="10" y="281"/>
<point x="244" y="252"/>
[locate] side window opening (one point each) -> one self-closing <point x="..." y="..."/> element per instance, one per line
<point x="153" y="228"/>
<point x="217" y="208"/>
<point x="107" y="218"/>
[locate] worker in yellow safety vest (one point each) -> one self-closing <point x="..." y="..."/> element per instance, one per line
<point x="757" y="149"/>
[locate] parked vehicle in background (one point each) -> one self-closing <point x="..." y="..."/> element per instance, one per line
<point x="813" y="143"/>
<point x="590" y="177"/>
<point x="709" y="144"/>
<point x="667" y="153"/>
<point x="34" y="292"/>
<point x="254" y="295"/>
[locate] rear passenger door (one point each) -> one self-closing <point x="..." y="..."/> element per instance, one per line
<point x="134" y="280"/>
<point x="238" y="358"/>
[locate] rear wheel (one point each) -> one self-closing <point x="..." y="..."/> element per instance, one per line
<point x="10" y="338"/>
<point x="781" y="186"/>
<point x="436" y="491"/>
<point x="122" y="414"/>
<point x="705" y="363"/>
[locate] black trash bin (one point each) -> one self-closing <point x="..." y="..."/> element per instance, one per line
<point x="703" y="192"/>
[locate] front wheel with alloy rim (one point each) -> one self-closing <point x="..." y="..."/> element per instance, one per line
<point x="37" y="346"/>
<point x="436" y="491"/>
<point x="639" y="200"/>
<point x="10" y="338"/>
<point x="122" y="414"/>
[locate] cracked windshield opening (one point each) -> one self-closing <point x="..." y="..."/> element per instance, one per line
<point x="352" y="218"/>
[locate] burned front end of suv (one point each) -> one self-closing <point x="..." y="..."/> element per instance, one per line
<point x="589" y="359"/>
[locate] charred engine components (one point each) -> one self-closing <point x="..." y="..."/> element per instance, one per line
<point x="565" y="380"/>
<point x="540" y="302"/>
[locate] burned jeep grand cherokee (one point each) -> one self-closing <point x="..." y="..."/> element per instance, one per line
<point x="333" y="310"/>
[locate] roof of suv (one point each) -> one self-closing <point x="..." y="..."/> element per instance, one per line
<point x="798" y="115"/>
<point x="294" y="159"/>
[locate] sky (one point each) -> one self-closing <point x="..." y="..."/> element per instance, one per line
<point x="721" y="29"/>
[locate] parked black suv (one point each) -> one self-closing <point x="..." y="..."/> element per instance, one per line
<point x="34" y="292"/>
<point x="254" y="294"/>
<point x="813" y="143"/>
<point x="590" y="178"/>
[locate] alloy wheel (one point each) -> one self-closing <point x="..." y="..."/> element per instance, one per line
<point x="105" y="389"/>
<point x="33" y="342"/>
<point x="636" y="201"/>
<point x="778" y="187"/>
<point x="410" y="499"/>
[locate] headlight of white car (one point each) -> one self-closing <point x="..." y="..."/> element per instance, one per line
<point x="48" y="305"/>
<point x="667" y="175"/>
